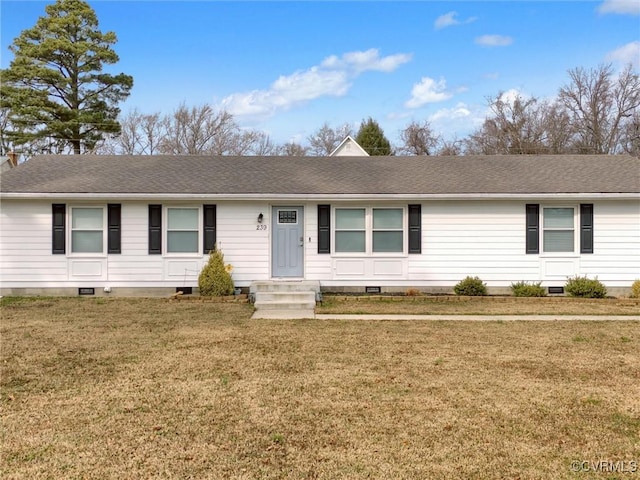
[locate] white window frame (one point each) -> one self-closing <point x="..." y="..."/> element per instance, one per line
<point x="165" y="230"/>
<point x="576" y="231"/>
<point x="70" y="230"/>
<point x="368" y="229"/>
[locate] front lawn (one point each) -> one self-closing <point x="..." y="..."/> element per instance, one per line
<point x="149" y="388"/>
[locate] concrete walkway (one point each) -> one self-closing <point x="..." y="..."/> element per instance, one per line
<point x="310" y="314"/>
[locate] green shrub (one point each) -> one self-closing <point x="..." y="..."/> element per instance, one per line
<point x="471" y="286"/>
<point x="635" y="289"/>
<point x="585" y="287"/>
<point x="215" y="278"/>
<point x="526" y="289"/>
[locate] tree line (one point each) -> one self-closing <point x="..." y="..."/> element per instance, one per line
<point x="55" y="98"/>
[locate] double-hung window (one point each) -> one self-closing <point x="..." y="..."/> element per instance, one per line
<point x="388" y="231"/>
<point x="351" y="230"/>
<point x="87" y="229"/>
<point x="558" y="229"/>
<point x="183" y="229"/>
<point x="369" y="230"/>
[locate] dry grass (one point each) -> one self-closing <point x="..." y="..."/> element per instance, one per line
<point x="131" y="388"/>
<point x="454" y="305"/>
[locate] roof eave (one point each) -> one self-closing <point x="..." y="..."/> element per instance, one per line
<point x="316" y="196"/>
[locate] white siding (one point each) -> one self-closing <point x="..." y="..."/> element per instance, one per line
<point x="480" y="238"/>
<point x="459" y="238"/>
<point x="616" y="244"/>
<point x="25" y="246"/>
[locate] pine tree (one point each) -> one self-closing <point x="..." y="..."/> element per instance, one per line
<point x="55" y="87"/>
<point x="372" y="139"/>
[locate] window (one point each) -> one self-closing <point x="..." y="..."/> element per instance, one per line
<point x="87" y="230"/>
<point x="350" y="230"/>
<point x="183" y="230"/>
<point x="560" y="231"/>
<point x="558" y="225"/>
<point x="387" y="230"/>
<point x="369" y="230"/>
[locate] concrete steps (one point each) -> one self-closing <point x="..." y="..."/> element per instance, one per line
<point x="286" y="297"/>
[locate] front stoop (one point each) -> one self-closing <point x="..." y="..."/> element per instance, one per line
<point x="284" y="299"/>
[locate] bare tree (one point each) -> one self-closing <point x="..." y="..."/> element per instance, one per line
<point x="326" y="139"/>
<point x="196" y="131"/>
<point x="521" y="126"/>
<point x="292" y="149"/>
<point x="263" y="146"/>
<point x="600" y="106"/>
<point x="450" y="148"/>
<point x="630" y="139"/>
<point x="418" y="139"/>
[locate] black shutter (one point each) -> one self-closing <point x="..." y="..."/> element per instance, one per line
<point x="586" y="228"/>
<point x="209" y="231"/>
<point x="155" y="229"/>
<point x="58" y="216"/>
<point x="533" y="227"/>
<point x="324" y="228"/>
<point x="415" y="228"/>
<point x="114" y="227"/>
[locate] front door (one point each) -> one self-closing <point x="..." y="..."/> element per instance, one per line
<point x="287" y="243"/>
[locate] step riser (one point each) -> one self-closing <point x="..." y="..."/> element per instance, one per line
<point x="284" y="305"/>
<point x="285" y="297"/>
<point x="305" y="286"/>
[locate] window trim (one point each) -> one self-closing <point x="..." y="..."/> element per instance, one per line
<point x="576" y="231"/>
<point x="368" y="229"/>
<point x="165" y="230"/>
<point x="104" y="230"/>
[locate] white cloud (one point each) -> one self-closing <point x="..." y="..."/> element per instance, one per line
<point x="459" y="111"/>
<point x="449" y="19"/>
<point x="492" y="75"/>
<point x="367" y="60"/>
<point x="331" y="78"/>
<point x="428" y="91"/>
<point x="629" y="53"/>
<point x="510" y="96"/>
<point x="494" y="40"/>
<point x="623" y="7"/>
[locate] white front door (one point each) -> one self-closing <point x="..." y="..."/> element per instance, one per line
<point x="287" y="242"/>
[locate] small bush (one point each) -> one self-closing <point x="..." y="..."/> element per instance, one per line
<point x="525" y="289"/>
<point x="215" y="278"/>
<point x="585" y="287"/>
<point x="635" y="289"/>
<point x="470" y="286"/>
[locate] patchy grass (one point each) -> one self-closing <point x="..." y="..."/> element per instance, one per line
<point x="142" y="388"/>
<point x="456" y="305"/>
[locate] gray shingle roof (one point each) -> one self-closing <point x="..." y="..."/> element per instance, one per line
<point x="521" y="174"/>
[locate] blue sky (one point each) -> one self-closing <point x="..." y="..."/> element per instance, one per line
<point x="288" y="67"/>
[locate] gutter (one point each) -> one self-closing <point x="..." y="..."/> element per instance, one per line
<point x="273" y="197"/>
